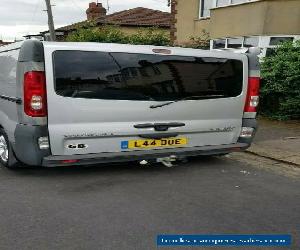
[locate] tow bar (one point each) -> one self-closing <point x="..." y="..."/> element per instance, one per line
<point x="166" y="161"/>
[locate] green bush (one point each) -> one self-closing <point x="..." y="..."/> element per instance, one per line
<point x="105" y="34"/>
<point x="200" y="42"/>
<point x="113" y="34"/>
<point x="280" y="92"/>
<point x="150" y="36"/>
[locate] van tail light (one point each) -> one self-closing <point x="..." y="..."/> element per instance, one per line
<point x="252" y="99"/>
<point x="35" y="97"/>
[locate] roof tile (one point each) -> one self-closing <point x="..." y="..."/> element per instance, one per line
<point x="133" y="17"/>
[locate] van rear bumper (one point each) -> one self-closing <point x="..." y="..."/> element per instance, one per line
<point x="89" y="159"/>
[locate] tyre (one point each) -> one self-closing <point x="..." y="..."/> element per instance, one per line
<point x="7" y="158"/>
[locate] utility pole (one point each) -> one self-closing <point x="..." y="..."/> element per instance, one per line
<point x="108" y="7"/>
<point x="50" y="21"/>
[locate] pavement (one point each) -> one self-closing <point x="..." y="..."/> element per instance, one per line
<point x="278" y="140"/>
<point x="126" y="206"/>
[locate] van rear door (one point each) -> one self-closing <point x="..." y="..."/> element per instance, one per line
<point x="100" y="96"/>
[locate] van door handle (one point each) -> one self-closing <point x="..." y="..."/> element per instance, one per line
<point x="159" y="136"/>
<point x="145" y="125"/>
<point x="160" y="126"/>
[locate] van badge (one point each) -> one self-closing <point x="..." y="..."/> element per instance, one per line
<point x="77" y="146"/>
<point x="226" y="129"/>
<point x="89" y="135"/>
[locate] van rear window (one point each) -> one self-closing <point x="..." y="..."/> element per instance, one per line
<point x="141" y="77"/>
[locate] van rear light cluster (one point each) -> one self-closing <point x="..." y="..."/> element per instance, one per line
<point x="252" y="99"/>
<point x="35" y="97"/>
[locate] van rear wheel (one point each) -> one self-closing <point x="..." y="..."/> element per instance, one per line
<point x="7" y="158"/>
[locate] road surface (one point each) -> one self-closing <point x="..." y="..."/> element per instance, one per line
<point x="126" y="206"/>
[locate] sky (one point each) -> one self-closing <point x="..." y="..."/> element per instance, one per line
<point x="23" y="17"/>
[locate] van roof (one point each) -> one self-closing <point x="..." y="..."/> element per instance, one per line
<point x="31" y="46"/>
<point x="145" y="49"/>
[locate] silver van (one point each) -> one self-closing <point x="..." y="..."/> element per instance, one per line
<point x="89" y="103"/>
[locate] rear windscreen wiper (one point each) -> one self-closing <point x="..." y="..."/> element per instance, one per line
<point x="196" y="97"/>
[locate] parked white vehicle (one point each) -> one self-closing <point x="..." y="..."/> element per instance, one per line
<point x="87" y="103"/>
<point x="266" y="43"/>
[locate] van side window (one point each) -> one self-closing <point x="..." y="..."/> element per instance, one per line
<point x="8" y="69"/>
<point x="140" y="77"/>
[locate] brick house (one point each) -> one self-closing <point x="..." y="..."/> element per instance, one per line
<point x="129" y="21"/>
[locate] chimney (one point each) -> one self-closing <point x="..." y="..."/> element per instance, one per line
<point x="95" y="11"/>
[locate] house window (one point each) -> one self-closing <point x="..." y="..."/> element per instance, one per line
<point x="221" y="3"/>
<point x="206" y="5"/>
<point x="239" y="1"/>
<point x="278" y="40"/>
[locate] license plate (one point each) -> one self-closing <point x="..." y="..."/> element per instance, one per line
<point x="151" y="143"/>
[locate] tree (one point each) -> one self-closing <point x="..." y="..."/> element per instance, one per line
<point x="280" y="92"/>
